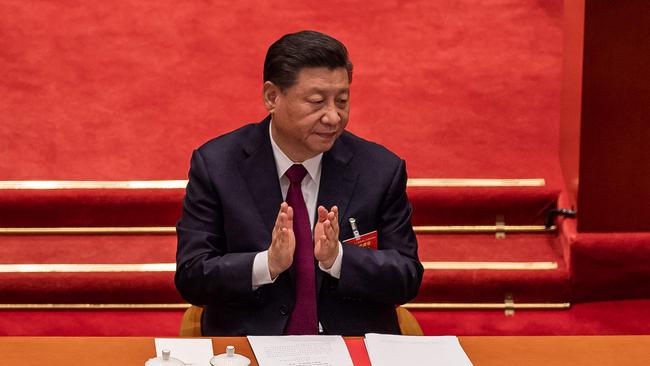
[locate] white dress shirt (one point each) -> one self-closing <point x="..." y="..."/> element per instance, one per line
<point x="309" y="187"/>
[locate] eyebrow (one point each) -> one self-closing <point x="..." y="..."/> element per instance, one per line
<point x="326" y="91"/>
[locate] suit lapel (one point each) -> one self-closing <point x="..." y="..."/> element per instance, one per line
<point x="261" y="176"/>
<point x="337" y="179"/>
<point x="337" y="183"/>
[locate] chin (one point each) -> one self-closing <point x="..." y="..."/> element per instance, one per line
<point x="328" y="146"/>
<point x="321" y="148"/>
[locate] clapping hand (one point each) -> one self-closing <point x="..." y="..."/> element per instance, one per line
<point x="326" y="236"/>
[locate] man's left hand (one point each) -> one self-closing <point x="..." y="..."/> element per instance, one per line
<point x="326" y="236"/>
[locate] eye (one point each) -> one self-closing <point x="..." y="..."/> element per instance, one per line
<point x="315" y="101"/>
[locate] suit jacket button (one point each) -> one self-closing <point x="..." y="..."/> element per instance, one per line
<point x="284" y="310"/>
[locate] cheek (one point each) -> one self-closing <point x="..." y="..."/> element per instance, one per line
<point x="345" y="114"/>
<point x="344" y="119"/>
<point x="304" y="118"/>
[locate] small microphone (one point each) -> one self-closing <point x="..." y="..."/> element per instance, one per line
<point x="552" y="214"/>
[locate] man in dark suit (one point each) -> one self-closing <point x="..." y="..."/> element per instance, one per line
<point x="293" y="225"/>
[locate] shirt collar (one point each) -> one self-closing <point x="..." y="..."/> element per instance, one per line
<point x="283" y="163"/>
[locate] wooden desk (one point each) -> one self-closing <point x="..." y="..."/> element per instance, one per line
<point x="483" y="351"/>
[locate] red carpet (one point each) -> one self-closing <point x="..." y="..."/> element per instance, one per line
<point x="158" y="323"/>
<point x="481" y="205"/>
<point x="611" y="317"/>
<point x="162" y="207"/>
<point x="489" y="285"/>
<point x="124" y="90"/>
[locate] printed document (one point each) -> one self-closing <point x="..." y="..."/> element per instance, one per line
<point x="300" y="350"/>
<point x="195" y="351"/>
<point x="391" y="350"/>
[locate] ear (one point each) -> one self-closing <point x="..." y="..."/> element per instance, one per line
<point x="270" y="94"/>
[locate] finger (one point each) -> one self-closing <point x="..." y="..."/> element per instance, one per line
<point x="290" y="215"/>
<point x="317" y="243"/>
<point x="283" y="208"/>
<point x="318" y="231"/>
<point x="285" y="238"/>
<point x="332" y="218"/>
<point x="327" y="251"/>
<point x="288" y="223"/>
<point x="283" y="234"/>
<point x="322" y="213"/>
<point x="277" y="242"/>
<point x="335" y="220"/>
<point x="330" y="235"/>
<point x="284" y="220"/>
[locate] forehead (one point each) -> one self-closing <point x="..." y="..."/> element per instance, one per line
<point x="322" y="79"/>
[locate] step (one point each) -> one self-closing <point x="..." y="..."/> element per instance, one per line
<point x="608" y="266"/>
<point x="478" y="268"/>
<point x="73" y="268"/>
<point x="481" y="205"/>
<point x="90" y="207"/>
<point x="592" y="318"/>
<point x="63" y="269"/>
<point x="140" y="207"/>
<point x="91" y="322"/>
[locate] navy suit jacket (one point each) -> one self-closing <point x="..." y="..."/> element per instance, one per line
<point x="230" y="207"/>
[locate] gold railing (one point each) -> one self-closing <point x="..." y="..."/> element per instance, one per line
<point x="429" y="229"/>
<point x="180" y="184"/>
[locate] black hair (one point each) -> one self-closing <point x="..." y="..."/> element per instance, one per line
<point x="295" y="51"/>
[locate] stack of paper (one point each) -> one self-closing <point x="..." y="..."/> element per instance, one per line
<point x="300" y="351"/>
<point x="391" y="350"/>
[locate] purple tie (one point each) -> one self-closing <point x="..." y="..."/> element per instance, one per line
<point x="303" y="319"/>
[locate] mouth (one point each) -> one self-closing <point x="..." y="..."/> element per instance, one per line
<point x="326" y="135"/>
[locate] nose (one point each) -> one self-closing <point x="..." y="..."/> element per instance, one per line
<point x="331" y="115"/>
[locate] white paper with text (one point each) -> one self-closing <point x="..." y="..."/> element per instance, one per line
<point x="391" y="350"/>
<point x="300" y="350"/>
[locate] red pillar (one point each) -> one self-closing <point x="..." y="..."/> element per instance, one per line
<point x="605" y="128"/>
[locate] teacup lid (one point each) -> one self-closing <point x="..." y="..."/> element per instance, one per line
<point x="164" y="360"/>
<point x="230" y="358"/>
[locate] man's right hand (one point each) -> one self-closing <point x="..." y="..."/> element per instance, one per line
<point x="283" y="242"/>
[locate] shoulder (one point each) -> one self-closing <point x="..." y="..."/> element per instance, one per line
<point x="379" y="171"/>
<point x="231" y="144"/>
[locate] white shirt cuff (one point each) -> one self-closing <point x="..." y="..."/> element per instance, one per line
<point x="335" y="270"/>
<point x="261" y="272"/>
